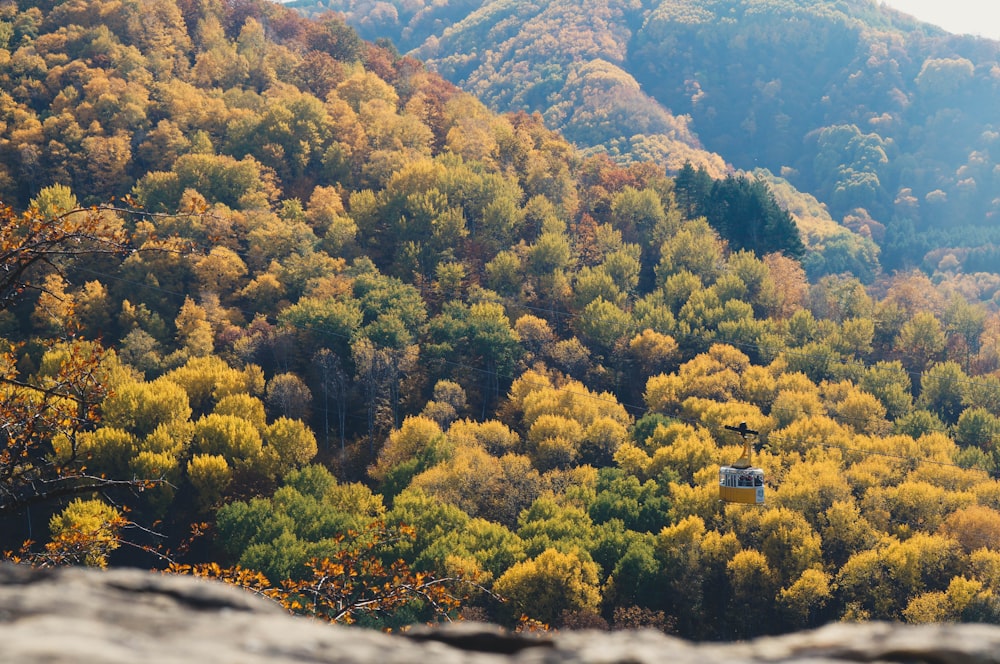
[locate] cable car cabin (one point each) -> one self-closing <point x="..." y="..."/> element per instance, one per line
<point x="740" y="482"/>
<point x="741" y="485"/>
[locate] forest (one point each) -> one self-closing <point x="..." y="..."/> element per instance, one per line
<point x="888" y="122"/>
<point x="283" y="307"/>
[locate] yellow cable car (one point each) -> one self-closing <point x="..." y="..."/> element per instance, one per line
<point x="740" y="482"/>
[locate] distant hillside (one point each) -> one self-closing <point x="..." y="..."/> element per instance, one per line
<point x="567" y="60"/>
<point x="876" y="115"/>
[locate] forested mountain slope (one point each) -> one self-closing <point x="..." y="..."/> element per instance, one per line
<point x="890" y="123"/>
<point x="340" y="334"/>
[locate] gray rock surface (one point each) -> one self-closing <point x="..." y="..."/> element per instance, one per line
<point x="84" y="616"/>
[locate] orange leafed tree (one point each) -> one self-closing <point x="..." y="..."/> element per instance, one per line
<point x="61" y="400"/>
<point x="33" y="243"/>
<point x="352" y="585"/>
<point x="39" y="410"/>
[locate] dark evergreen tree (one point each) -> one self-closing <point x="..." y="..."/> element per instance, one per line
<point x="743" y="210"/>
<point x="692" y="188"/>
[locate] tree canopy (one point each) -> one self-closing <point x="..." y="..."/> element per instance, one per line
<point x="334" y="331"/>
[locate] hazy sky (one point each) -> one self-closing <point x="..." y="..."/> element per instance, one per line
<point x="977" y="17"/>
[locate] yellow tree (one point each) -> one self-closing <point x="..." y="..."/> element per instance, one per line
<point x="855" y="408"/>
<point x="974" y="527"/>
<point x="221" y="271"/>
<point x="86" y="531"/>
<point x="912" y="505"/>
<point x="701" y="499"/>
<point x="880" y="582"/>
<point x="194" y="332"/>
<point x="793" y="405"/>
<point x="711" y="375"/>
<point x="93" y="308"/>
<point x="292" y="441"/>
<point x="803" y="601"/>
<point x="553" y="441"/>
<point x="654" y="351"/>
<point x="785" y="538"/>
<point x="418" y="444"/>
<point x="811" y="487"/>
<point x="230" y="437"/>
<point x="965" y="600"/>
<point x="550" y="584"/>
<point x="208" y="379"/>
<point x="754" y="585"/>
<point x="682" y="449"/>
<point x="210" y="475"/>
<point x="790" y="284"/>
<point x="567" y="423"/>
<point x="140" y="407"/>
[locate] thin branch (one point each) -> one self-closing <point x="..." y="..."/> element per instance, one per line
<point x="90" y="483"/>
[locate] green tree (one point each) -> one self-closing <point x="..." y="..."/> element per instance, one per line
<point x="941" y="389"/>
<point x="688" y="573"/>
<point x="641" y="215"/>
<point x="482" y="333"/>
<point x="890" y="383"/>
<point x="332" y="320"/>
<point x="641" y="506"/>
<point x="549" y="524"/>
<point x="747" y="215"/>
<point x="634" y="576"/>
<point x="977" y="427"/>
<point x="921" y="341"/>
<point x="695" y="248"/>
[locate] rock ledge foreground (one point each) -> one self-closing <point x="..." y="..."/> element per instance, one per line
<point x="85" y="616"/>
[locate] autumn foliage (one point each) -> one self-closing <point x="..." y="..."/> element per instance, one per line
<point x="401" y="359"/>
<point x="352" y="586"/>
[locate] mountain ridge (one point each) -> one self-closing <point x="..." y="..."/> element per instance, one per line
<point x="866" y="108"/>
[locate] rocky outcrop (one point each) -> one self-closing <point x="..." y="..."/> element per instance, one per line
<point x="83" y="616"/>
